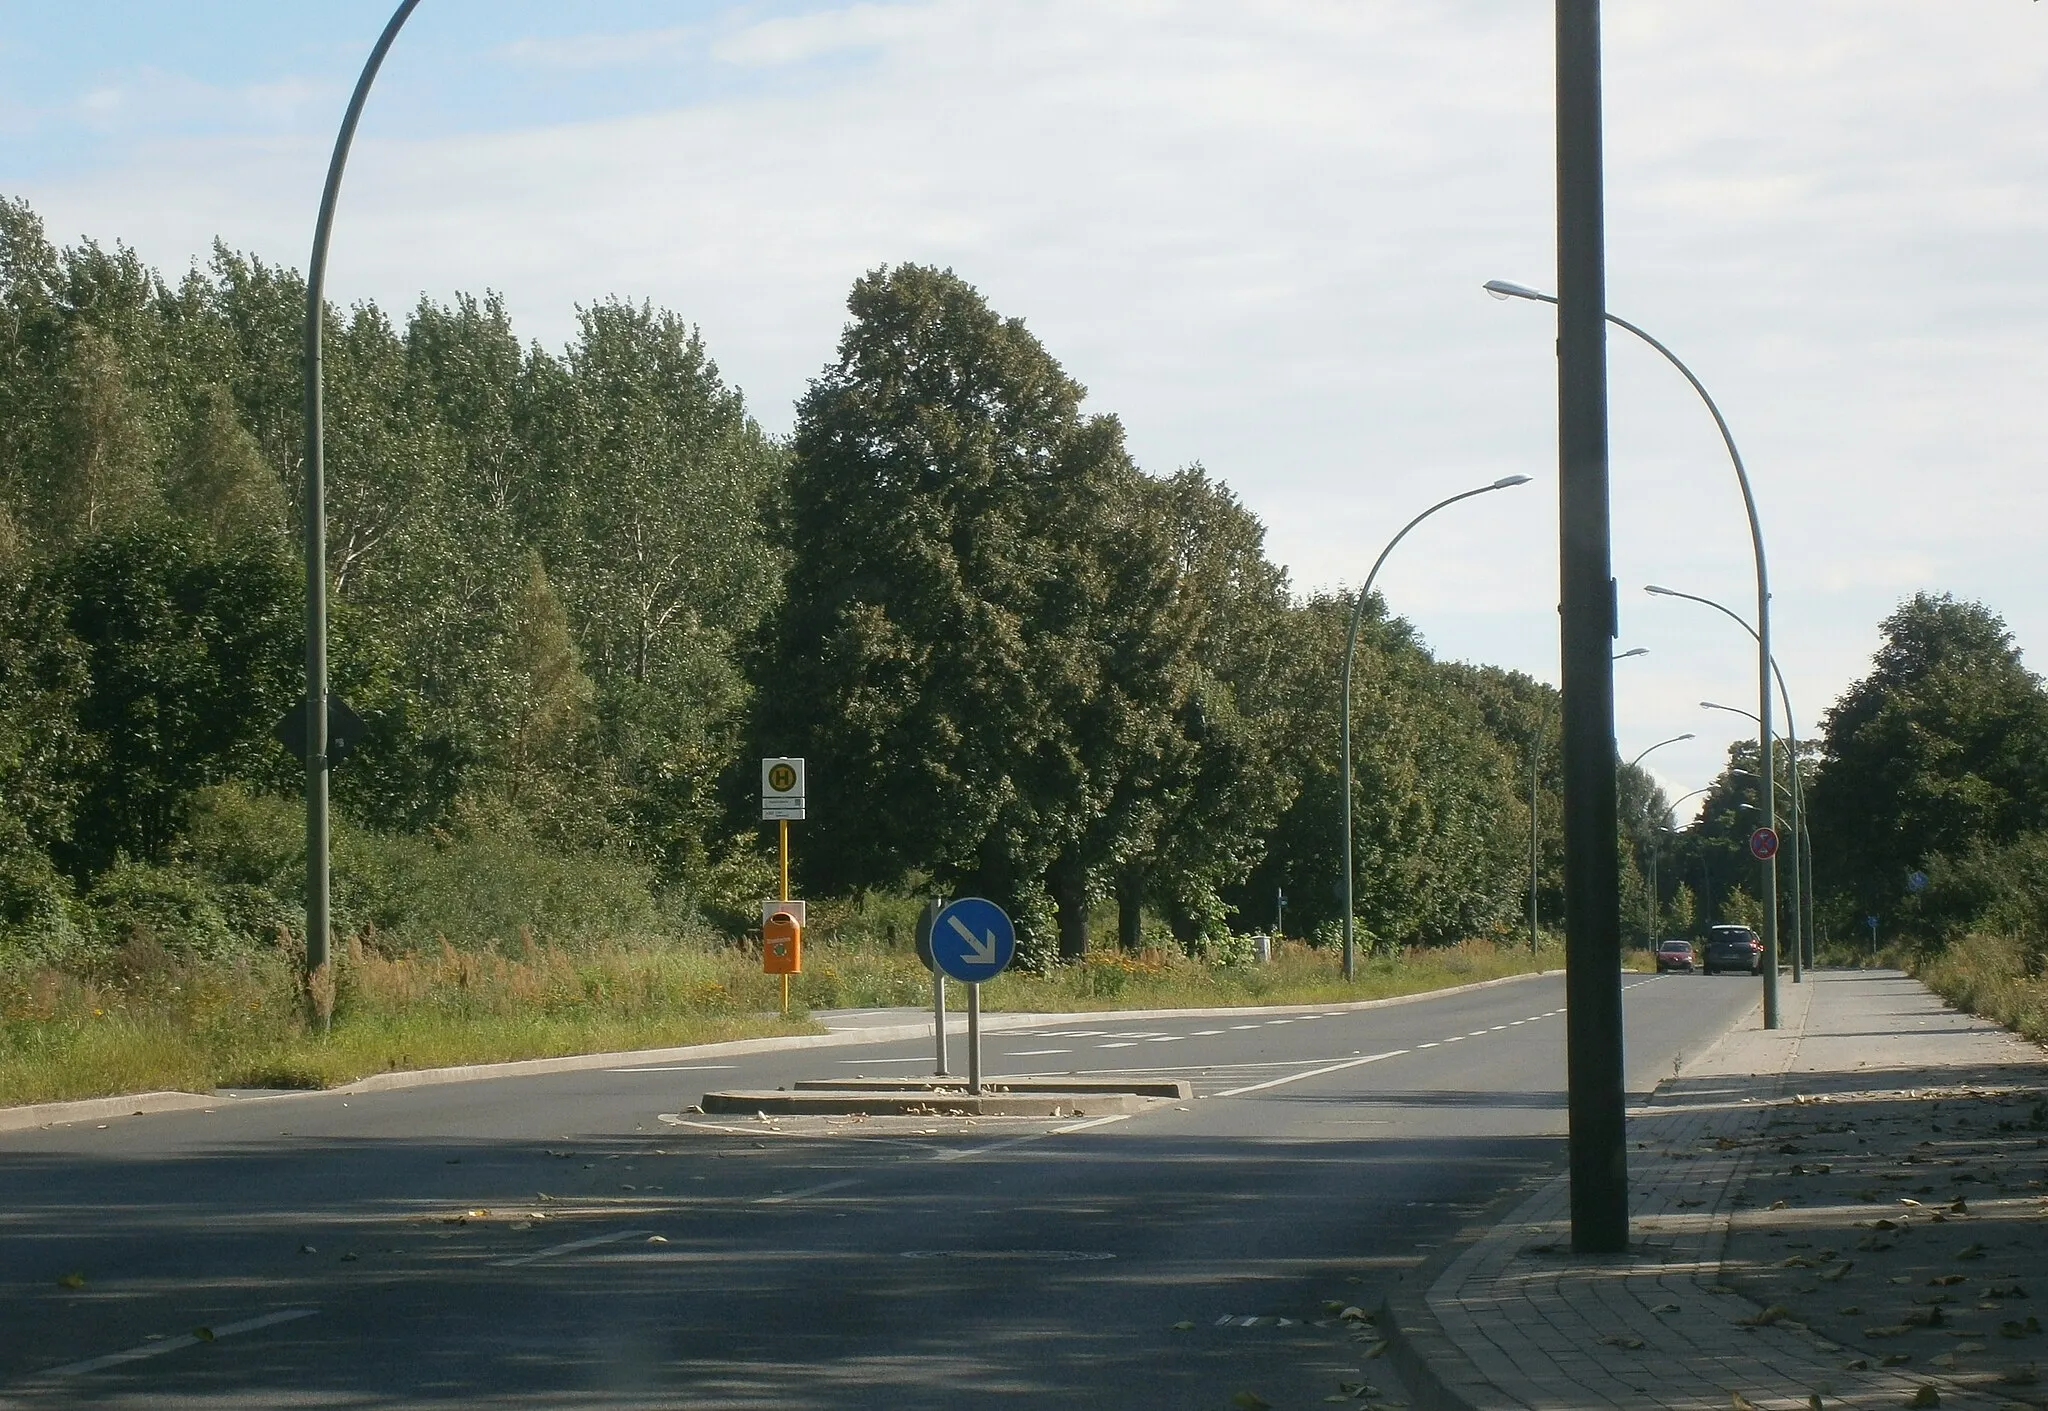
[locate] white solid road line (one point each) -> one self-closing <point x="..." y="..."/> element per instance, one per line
<point x="159" y="1348"/>
<point x="1312" y="1073"/>
<point x="678" y="1068"/>
<point x="787" y="1196"/>
<point x="1036" y="1052"/>
<point x="570" y="1248"/>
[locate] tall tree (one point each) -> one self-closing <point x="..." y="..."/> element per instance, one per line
<point x="1940" y="750"/>
<point x="933" y="653"/>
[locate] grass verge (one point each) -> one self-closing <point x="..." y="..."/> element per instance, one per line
<point x="150" y="1020"/>
<point x="1995" y="976"/>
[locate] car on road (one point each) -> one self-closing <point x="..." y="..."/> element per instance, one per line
<point x="1675" y="954"/>
<point x="1733" y="948"/>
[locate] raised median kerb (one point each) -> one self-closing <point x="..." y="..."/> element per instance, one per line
<point x="1728" y="1200"/>
<point x="863" y="1027"/>
<point x="999" y="1097"/>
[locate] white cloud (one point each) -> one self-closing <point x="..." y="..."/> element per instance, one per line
<point x="1258" y="232"/>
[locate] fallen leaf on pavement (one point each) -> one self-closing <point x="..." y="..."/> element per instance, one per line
<point x="203" y="1334"/>
<point x="1250" y="1401"/>
<point x="1665" y="1308"/>
<point x="72" y="1281"/>
<point x="1766" y="1317"/>
<point x="1924" y="1395"/>
<point x="1183" y="1326"/>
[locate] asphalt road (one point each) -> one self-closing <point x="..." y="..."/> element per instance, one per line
<point x="583" y="1239"/>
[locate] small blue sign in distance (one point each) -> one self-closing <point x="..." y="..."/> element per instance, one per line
<point x="1916" y="881"/>
<point x="972" y="940"/>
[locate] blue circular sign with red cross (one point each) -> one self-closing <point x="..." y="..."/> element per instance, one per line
<point x="1763" y="844"/>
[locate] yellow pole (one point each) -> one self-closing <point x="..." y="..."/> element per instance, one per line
<point x="783" y="828"/>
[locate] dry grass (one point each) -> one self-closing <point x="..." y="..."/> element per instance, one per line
<point x="150" y="1021"/>
<point x="1995" y="976"/>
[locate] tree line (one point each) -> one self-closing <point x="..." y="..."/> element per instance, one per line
<point x="577" y="592"/>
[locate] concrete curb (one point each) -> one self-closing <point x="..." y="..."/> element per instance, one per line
<point x="1435" y="1369"/>
<point x="97" y="1109"/>
<point x="52" y="1114"/>
<point x="841" y="1103"/>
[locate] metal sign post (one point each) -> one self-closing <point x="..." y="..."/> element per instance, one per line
<point x="972" y="940"/>
<point x="974" y="1038"/>
<point x="925" y="918"/>
<point x="782" y="799"/>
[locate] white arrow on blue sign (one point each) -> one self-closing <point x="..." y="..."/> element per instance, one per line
<point x="972" y="940"/>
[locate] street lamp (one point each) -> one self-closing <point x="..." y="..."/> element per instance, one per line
<point x="1802" y="935"/>
<point x="1658" y="746"/>
<point x="1632" y="652"/>
<point x="1350" y="650"/>
<point x="317" y="899"/>
<point x="1803" y="917"/>
<point x="1503" y="289"/>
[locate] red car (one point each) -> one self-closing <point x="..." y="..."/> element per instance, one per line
<point x="1674" y="955"/>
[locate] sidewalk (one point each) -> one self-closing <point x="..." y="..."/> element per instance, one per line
<point x="1850" y="1211"/>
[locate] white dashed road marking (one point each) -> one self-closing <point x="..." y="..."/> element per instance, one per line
<point x="570" y="1248"/>
<point x="160" y="1347"/>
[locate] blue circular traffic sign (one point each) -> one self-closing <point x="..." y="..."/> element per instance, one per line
<point x="1763" y="844"/>
<point x="972" y="940"/>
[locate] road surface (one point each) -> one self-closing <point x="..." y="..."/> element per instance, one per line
<point x="584" y="1240"/>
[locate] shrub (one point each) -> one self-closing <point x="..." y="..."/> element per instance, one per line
<point x="165" y="906"/>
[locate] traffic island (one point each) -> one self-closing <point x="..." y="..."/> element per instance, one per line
<point x="948" y="1097"/>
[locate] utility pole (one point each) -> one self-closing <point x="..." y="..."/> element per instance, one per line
<point x="1592" y="872"/>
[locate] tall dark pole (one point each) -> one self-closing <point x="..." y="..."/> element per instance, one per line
<point x="317" y="909"/>
<point x="1592" y="871"/>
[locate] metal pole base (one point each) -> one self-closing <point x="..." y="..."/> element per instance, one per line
<point x="974" y="1040"/>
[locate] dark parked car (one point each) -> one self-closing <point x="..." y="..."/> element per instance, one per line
<point x="1674" y="955"/>
<point x="1733" y="948"/>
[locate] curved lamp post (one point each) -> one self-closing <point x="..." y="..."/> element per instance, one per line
<point x="1350" y="650"/>
<point x="1658" y="746"/>
<point x="1503" y="289"/>
<point x="317" y="909"/>
<point x="1803" y="939"/>
<point x="1802" y="852"/>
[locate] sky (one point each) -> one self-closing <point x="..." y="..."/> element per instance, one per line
<point x="1255" y="231"/>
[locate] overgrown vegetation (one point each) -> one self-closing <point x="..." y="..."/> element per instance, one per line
<point x="1999" y="977"/>
<point x="567" y="605"/>
<point x="148" y="1019"/>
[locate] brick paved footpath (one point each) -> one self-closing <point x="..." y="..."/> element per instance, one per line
<point x="1508" y="1317"/>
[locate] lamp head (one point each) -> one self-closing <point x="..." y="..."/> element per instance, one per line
<point x="1686" y="736"/>
<point x="1506" y="289"/>
<point x="1632" y="652"/>
<point x="1508" y="482"/>
<point x="1656" y="592"/>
